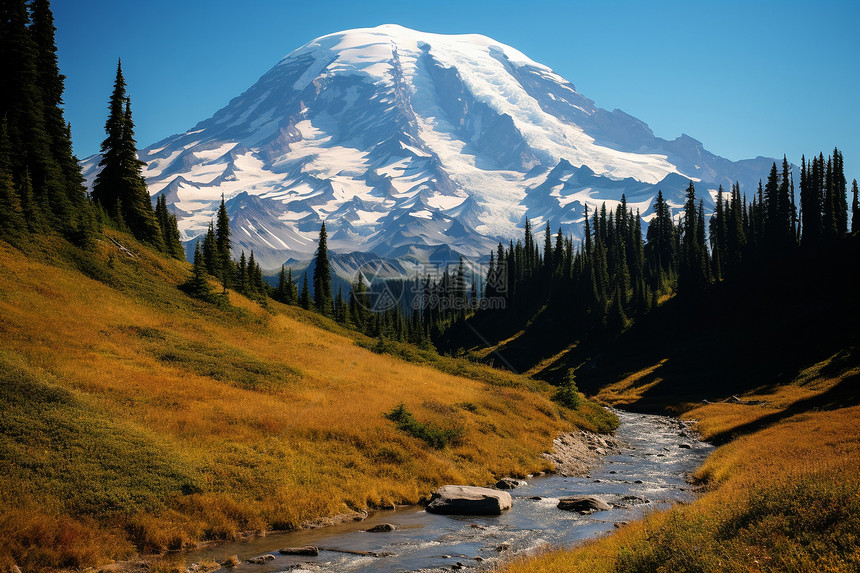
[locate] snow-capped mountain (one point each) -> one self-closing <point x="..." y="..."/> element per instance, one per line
<point x="410" y="144"/>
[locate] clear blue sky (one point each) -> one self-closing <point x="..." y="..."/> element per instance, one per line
<point x="746" y="78"/>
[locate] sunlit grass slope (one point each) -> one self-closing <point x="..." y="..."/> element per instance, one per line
<point x="783" y="492"/>
<point x="134" y="418"/>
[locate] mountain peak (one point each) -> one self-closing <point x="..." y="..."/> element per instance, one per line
<point x="413" y="142"/>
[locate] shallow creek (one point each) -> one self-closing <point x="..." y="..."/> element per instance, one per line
<point x="648" y="473"/>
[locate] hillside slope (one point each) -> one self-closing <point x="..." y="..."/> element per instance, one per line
<point x="782" y="315"/>
<point x="781" y="492"/>
<point x="769" y="369"/>
<point x="135" y="419"/>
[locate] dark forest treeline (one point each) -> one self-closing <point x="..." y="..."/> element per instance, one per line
<point x="615" y="276"/>
<point x="41" y="186"/>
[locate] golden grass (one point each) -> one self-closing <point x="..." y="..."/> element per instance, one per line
<point x="783" y="496"/>
<point x="628" y="390"/>
<point x="230" y="420"/>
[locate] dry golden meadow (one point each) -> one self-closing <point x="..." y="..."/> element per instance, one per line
<point x="136" y="419"/>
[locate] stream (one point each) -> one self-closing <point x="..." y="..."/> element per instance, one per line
<point x="649" y="472"/>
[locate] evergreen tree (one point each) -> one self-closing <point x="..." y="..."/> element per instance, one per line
<point x="811" y="201"/>
<point x="136" y="204"/>
<point x="830" y="219"/>
<point x="305" y="297"/>
<point x="616" y="320"/>
<point x="528" y="259"/>
<point x="255" y="277"/>
<point x="109" y="182"/>
<point x="22" y="107"/>
<point x="719" y="236"/>
<point x="322" y="276"/>
<point x="35" y="211"/>
<point x="558" y="253"/>
<point x="69" y="200"/>
<point x="358" y="304"/>
<point x="490" y="282"/>
<point x="589" y="247"/>
<point x="292" y="289"/>
<point x="340" y="308"/>
<point x="281" y="290"/>
<point x="170" y="231"/>
<point x="223" y="243"/>
<point x="119" y="187"/>
<point x="12" y="223"/>
<point x="547" y="250"/>
<point x="210" y="252"/>
<point x="459" y="292"/>
<point x="198" y="285"/>
<point x="500" y="286"/>
<point x="787" y="214"/>
<point x="840" y="205"/>
<point x="660" y="249"/>
<point x="692" y="272"/>
<point x="241" y="278"/>
<point x="735" y="237"/>
<point x="855" y="209"/>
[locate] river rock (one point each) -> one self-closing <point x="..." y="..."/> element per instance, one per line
<point x="382" y="527"/>
<point x="261" y="559"/>
<point x="509" y="483"/>
<point x="469" y="500"/>
<point x="583" y="504"/>
<point x="309" y="550"/>
<point x="684" y="446"/>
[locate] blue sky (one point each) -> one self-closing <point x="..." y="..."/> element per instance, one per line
<point x="745" y="78"/>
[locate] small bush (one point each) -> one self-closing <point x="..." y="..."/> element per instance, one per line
<point x="568" y="394"/>
<point x="435" y="437"/>
<point x="468" y="406"/>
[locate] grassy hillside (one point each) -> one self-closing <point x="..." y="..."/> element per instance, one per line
<point x="783" y="314"/>
<point x="770" y="370"/>
<point x="782" y="495"/>
<point x="136" y="419"/>
<point x="782" y="317"/>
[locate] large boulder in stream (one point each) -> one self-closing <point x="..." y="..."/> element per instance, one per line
<point x="469" y="500"/>
<point x="583" y="504"/>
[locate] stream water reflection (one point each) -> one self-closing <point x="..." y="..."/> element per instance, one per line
<point x="649" y="472"/>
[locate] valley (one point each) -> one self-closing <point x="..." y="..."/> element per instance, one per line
<point x="413" y="302"/>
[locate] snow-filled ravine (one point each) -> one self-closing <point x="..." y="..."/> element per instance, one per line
<point x="649" y="472"/>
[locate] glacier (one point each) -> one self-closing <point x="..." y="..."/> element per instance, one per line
<point x="410" y="144"/>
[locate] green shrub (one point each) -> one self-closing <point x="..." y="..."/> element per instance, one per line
<point x="568" y="394"/>
<point x="434" y="436"/>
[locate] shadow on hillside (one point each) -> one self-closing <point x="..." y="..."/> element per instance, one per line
<point x="845" y="394"/>
<point x="520" y="341"/>
<point x="739" y="335"/>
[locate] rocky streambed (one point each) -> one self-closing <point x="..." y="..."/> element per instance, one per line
<point x="601" y="482"/>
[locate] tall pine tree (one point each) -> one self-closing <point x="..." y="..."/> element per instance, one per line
<point x="322" y="276"/>
<point x="119" y="187"/>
